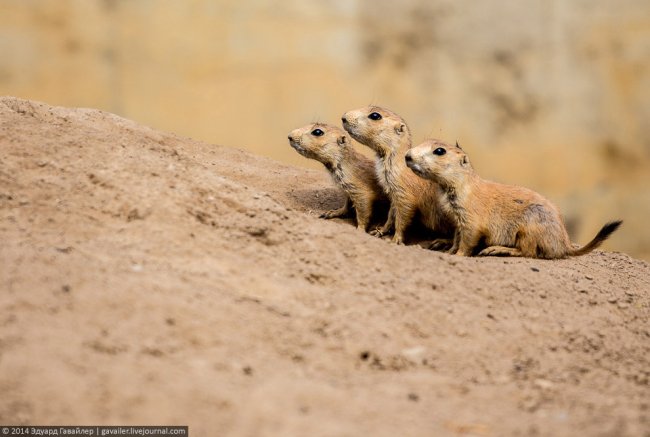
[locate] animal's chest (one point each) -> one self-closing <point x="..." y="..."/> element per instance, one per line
<point x="385" y="175"/>
<point x="452" y="199"/>
<point x="452" y="206"/>
<point x="339" y="178"/>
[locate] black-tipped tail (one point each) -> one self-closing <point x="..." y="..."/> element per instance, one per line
<point x="602" y="235"/>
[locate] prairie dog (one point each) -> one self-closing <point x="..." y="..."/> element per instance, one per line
<point x="492" y="218"/>
<point x="350" y="170"/>
<point x="388" y="135"/>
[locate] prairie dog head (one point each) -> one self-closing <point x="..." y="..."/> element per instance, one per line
<point x="321" y="142"/>
<point x="378" y="128"/>
<point x="438" y="161"/>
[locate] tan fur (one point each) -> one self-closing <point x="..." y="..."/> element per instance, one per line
<point x="493" y="218"/>
<point x="350" y="170"/>
<point x="390" y="138"/>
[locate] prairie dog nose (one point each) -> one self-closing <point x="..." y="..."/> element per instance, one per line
<point x="408" y="157"/>
<point x="294" y="135"/>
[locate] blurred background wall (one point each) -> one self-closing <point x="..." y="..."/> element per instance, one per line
<point x="550" y="94"/>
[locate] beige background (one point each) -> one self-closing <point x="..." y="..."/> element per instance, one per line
<point x="550" y="94"/>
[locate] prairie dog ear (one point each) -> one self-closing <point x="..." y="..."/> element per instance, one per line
<point x="464" y="161"/>
<point x="342" y="140"/>
<point x="400" y="128"/>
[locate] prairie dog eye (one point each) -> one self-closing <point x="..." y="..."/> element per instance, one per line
<point x="317" y="133"/>
<point x="375" y="116"/>
<point x="439" y="151"/>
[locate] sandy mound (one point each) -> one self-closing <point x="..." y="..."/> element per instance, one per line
<point x="151" y="279"/>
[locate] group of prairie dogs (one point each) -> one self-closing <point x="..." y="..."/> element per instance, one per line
<point x="436" y="183"/>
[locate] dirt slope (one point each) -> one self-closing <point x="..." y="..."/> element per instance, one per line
<point x="151" y="279"/>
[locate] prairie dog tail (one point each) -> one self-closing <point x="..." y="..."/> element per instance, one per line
<point x="602" y="235"/>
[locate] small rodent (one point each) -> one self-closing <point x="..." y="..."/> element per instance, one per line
<point x="388" y="135"/>
<point x="492" y="218"/>
<point x="350" y="170"/>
